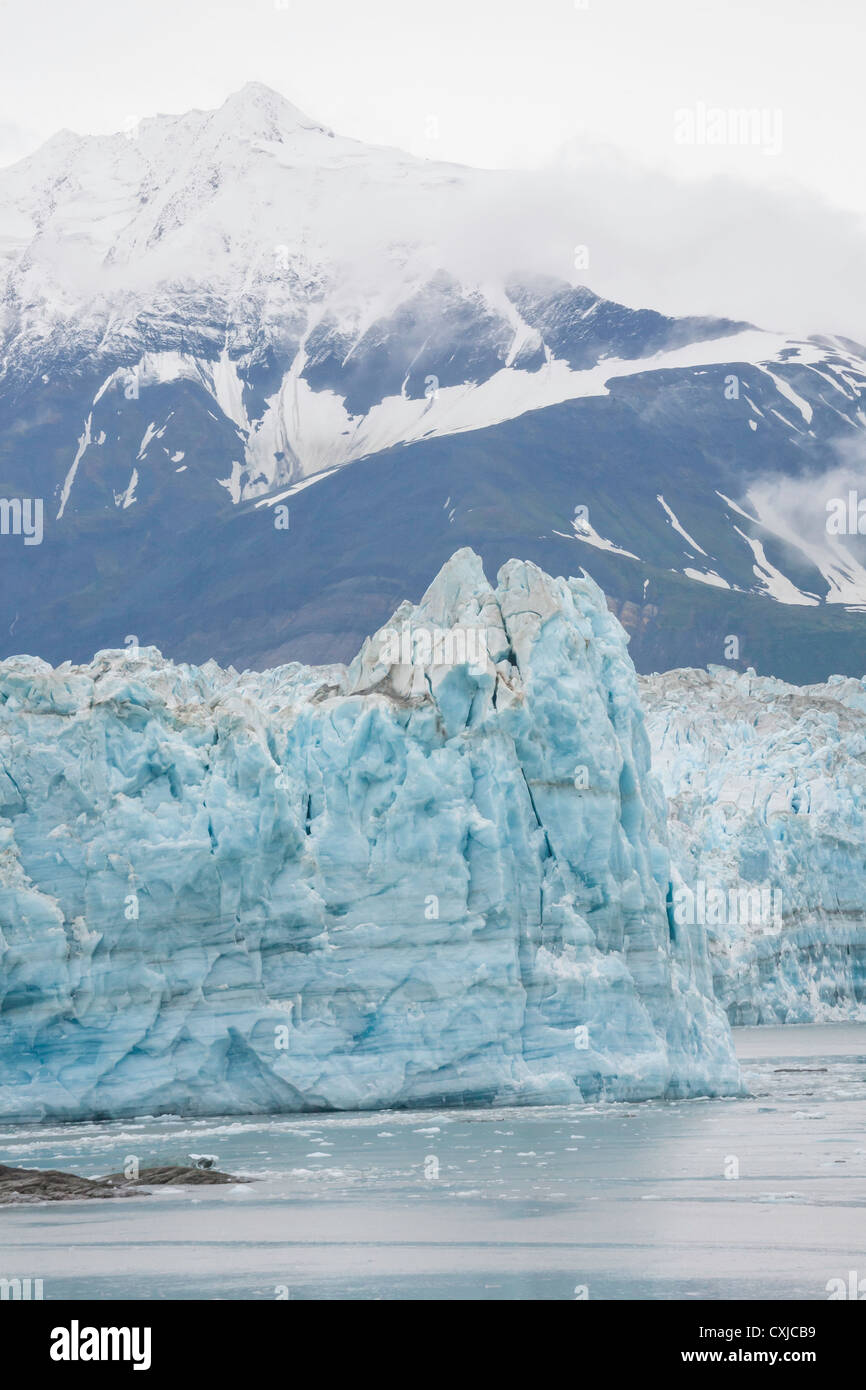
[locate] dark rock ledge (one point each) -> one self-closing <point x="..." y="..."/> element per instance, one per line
<point x="18" y="1185"/>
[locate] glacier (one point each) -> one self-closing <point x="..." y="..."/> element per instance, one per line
<point x="433" y="876"/>
<point x="766" y="789"/>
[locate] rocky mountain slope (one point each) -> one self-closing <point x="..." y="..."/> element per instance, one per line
<point x="219" y="314"/>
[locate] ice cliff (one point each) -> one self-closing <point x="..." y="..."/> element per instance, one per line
<point x="419" y="879"/>
<point x="766" y="787"/>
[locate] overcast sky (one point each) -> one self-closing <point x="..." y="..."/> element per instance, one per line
<point x="489" y="82"/>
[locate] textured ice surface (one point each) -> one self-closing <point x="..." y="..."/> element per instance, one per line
<point x="380" y="885"/>
<point x="767" y="791"/>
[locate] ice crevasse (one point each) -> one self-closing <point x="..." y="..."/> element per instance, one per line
<point x="347" y="887"/>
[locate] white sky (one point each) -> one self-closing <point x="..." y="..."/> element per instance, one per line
<point x="509" y="82"/>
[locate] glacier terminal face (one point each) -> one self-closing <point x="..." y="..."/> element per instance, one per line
<point x="766" y="787"/>
<point x="436" y="876"/>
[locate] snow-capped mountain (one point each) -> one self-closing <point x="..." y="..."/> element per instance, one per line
<point x="311" y="287"/>
<point x="205" y="315"/>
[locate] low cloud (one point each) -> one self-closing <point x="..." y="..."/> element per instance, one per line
<point x="807" y="509"/>
<point x="774" y="255"/>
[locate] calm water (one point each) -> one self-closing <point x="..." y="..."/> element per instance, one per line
<point x="630" y="1201"/>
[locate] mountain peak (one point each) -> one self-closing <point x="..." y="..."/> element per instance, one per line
<point x="257" y="110"/>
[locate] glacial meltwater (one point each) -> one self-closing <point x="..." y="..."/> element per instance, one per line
<point x="761" y="1197"/>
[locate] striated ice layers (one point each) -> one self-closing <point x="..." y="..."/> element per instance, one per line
<point x="381" y="885"/>
<point x="766" y="787"/>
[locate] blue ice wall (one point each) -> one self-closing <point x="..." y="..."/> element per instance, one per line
<point x="401" y="883"/>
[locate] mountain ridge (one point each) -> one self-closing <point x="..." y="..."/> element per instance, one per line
<point x="215" y="311"/>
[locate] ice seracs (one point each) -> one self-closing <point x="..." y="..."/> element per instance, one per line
<point x="314" y="888"/>
<point x="766" y="787"/>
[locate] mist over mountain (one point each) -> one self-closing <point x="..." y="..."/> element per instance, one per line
<point x="265" y="379"/>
